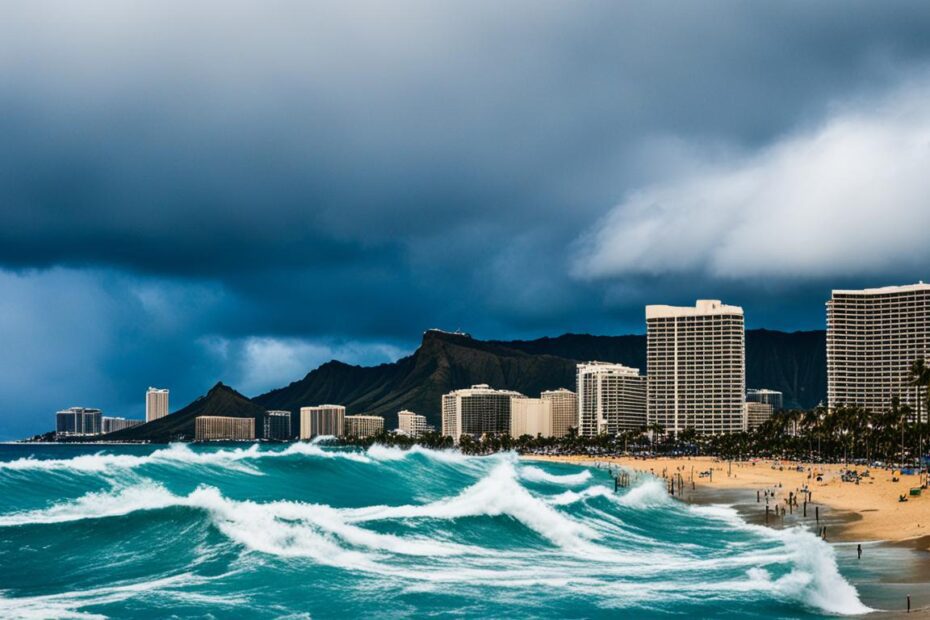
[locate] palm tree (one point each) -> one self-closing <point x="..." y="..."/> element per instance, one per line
<point x="919" y="379"/>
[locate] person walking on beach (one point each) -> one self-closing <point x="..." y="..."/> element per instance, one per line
<point x="859" y="550"/>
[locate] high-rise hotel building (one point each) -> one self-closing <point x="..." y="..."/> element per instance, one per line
<point x="223" y="428"/>
<point x="476" y="410"/>
<point x="411" y="424"/>
<point x="695" y="364"/>
<point x="361" y="426"/>
<point x="156" y="403"/>
<point x="611" y="398"/>
<point x="564" y="405"/>
<point x="322" y="420"/>
<point x="78" y="421"/>
<point x="873" y="336"/>
<point x="276" y="425"/>
<point x="530" y="416"/>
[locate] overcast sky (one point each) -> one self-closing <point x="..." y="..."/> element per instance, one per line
<point x="242" y="191"/>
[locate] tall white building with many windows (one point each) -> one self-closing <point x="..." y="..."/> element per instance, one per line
<point x="156" y="403"/>
<point x="411" y="424"/>
<point x="695" y="364"/>
<point x="873" y="336"/>
<point x="530" y="416"/>
<point x="364" y="425"/>
<point x="476" y="410"/>
<point x="322" y="420"/>
<point x="611" y="398"/>
<point x="564" y="405"/>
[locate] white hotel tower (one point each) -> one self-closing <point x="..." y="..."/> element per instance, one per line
<point x="156" y="403"/>
<point x="611" y="399"/>
<point x="873" y="336"/>
<point x="695" y="365"/>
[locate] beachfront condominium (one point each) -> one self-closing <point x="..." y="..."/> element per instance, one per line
<point x="276" y="425"/>
<point x="111" y="425"/>
<point x="695" y="365"/>
<point x="411" y="424"/>
<point x="873" y="337"/>
<point x="321" y="420"/>
<point x="757" y="414"/>
<point x="223" y="428"/>
<point x="530" y="416"/>
<point x="78" y="421"/>
<point x="364" y="425"/>
<point x="156" y="403"/>
<point x="769" y="397"/>
<point x="611" y="398"/>
<point x="564" y="405"/>
<point x="475" y="411"/>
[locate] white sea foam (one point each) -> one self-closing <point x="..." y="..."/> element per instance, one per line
<point x="69" y="604"/>
<point x="379" y="452"/>
<point x="238" y="459"/>
<point x="649" y="494"/>
<point x="573" y="497"/>
<point x="532" y="473"/>
<point x="611" y="563"/>
<point x="498" y="493"/>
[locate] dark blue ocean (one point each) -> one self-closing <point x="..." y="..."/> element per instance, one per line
<point x="307" y="530"/>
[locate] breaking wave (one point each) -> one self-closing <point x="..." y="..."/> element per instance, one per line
<point x="465" y="523"/>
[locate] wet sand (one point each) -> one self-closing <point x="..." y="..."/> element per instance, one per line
<point x="895" y="536"/>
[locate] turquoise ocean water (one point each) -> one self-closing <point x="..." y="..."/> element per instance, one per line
<point x="306" y="530"/>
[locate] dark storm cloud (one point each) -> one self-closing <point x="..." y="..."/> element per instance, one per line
<point x="362" y="171"/>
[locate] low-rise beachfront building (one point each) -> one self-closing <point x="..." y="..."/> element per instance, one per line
<point x="873" y="337"/>
<point x="77" y="421"/>
<point x="530" y="416"/>
<point x="223" y="428"/>
<point x="695" y="367"/>
<point x="769" y="397"/>
<point x="611" y="398"/>
<point x="361" y="426"/>
<point x="322" y="420"/>
<point x="757" y="414"/>
<point x="111" y="425"/>
<point x="476" y="411"/>
<point x="411" y="424"/>
<point x="276" y="425"/>
<point x="564" y="405"/>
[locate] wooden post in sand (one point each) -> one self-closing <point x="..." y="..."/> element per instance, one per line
<point x="817" y="513"/>
<point x="805" y="509"/>
<point x="766" y="514"/>
<point x="908" y="603"/>
<point x="757" y="496"/>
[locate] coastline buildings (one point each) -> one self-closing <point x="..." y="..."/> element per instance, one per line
<point x="476" y="410"/>
<point x="156" y="403"/>
<point x="564" y="405"/>
<point x="222" y="428"/>
<point x="757" y="414"/>
<point x="411" y="424"/>
<point x="322" y="420"/>
<point x="873" y="336"/>
<point x="111" y="425"/>
<point x="611" y="398"/>
<point x="363" y="425"/>
<point x="75" y="421"/>
<point x="695" y="364"/>
<point x="530" y="416"/>
<point x="276" y="425"/>
<point x="768" y="397"/>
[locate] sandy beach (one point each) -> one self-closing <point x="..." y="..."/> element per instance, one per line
<point x="871" y="508"/>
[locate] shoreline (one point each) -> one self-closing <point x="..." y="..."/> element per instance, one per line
<point x="867" y="512"/>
